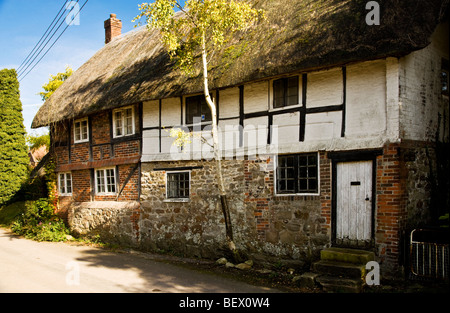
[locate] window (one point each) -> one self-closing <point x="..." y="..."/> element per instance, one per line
<point x="297" y="174"/>
<point x="196" y="107"/>
<point x="285" y="92"/>
<point x="81" y="130"/>
<point x="123" y="122"/>
<point x="178" y="185"/>
<point x="65" y="184"/>
<point x="105" y="181"/>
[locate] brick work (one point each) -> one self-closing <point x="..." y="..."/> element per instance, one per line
<point x="391" y="203"/>
<point x="325" y="193"/>
<point x="81" y="159"/>
<point x="113" y="28"/>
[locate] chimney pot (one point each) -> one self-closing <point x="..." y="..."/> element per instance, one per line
<point x="113" y="28"/>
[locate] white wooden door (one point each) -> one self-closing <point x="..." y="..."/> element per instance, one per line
<point x="354" y="202"/>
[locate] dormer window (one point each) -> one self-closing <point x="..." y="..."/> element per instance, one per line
<point x="81" y="130"/>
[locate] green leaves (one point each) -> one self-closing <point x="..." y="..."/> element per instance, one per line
<point x="54" y="82"/>
<point x="182" y="33"/>
<point x="13" y="151"/>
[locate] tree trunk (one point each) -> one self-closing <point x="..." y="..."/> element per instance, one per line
<point x="217" y="155"/>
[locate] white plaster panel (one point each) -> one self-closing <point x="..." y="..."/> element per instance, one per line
<point x="323" y="126"/>
<point x="324" y="88"/>
<point x="366" y="99"/>
<point x="229" y="134"/>
<point x="150" y="111"/>
<point x="150" y="142"/>
<point x="256" y="97"/>
<point x="229" y="103"/>
<point x="255" y="132"/>
<point x="288" y="128"/>
<point x="171" y="112"/>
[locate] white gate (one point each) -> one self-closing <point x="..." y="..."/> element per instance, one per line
<point x="354" y="202"/>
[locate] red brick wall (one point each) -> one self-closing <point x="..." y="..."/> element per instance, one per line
<point x="391" y="203"/>
<point x="100" y="151"/>
<point x="325" y="192"/>
<point x="81" y="185"/>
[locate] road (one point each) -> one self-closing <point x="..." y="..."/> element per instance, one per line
<point x="28" y="266"/>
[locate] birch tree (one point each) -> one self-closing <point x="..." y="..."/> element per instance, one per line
<point x="200" y="29"/>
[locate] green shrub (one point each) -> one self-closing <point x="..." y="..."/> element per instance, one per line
<point x="13" y="150"/>
<point x="10" y="213"/>
<point x="39" y="222"/>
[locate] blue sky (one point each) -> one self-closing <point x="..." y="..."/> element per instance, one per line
<point x="23" y="22"/>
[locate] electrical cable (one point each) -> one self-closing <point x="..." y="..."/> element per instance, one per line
<point x="81" y="8"/>
<point x="38" y="45"/>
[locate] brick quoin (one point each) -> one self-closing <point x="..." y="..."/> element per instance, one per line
<point x="390" y="216"/>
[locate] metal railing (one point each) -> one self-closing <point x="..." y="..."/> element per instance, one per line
<point x="429" y="253"/>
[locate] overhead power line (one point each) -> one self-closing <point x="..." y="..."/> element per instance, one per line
<point x="40" y="42"/>
<point x="24" y="73"/>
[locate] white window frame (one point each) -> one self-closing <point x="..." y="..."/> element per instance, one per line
<point x="105" y="181"/>
<point x="80" y="130"/>
<point x="122" y="110"/>
<point x="167" y="187"/>
<point x="63" y="183"/>
<point x="275" y="175"/>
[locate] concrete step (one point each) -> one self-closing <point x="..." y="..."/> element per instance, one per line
<point x="345" y="255"/>
<point x="340" y="269"/>
<point x="339" y="284"/>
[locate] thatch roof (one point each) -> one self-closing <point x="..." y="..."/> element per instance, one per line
<point x="295" y="36"/>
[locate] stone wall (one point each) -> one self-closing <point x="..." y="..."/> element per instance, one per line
<point x="292" y="227"/>
<point x="113" y="222"/>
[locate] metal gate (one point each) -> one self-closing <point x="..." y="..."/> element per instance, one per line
<point x="429" y="253"/>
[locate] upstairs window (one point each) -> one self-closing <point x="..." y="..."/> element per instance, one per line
<point x="297" y="174"/>
<point x="123" y="122"/>
<point x="105" y="181"/>
<point x="197" y="108"/>
<point x="285" y="92"/>
<point x="65" y="184"/>
<point x="81" y="130"/>
<point x="178" y="185"/>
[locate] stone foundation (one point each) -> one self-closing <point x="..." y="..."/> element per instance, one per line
<point x="266" y="226"/>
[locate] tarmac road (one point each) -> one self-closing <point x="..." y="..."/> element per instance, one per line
<point x="28" y="266"/>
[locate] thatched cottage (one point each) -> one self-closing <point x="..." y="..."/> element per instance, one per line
<point x="334" y="133"/>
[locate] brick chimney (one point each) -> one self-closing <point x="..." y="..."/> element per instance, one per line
<point x="113" y="28"/>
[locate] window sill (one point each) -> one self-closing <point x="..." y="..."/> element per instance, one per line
<point x="176" y="200"/>
<point x="80" y="141"/>
<point x="106" y="194"/>
<point x="123" y="136"/>
<point x="296" y="194"/>
<point x="285" y="108"/>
